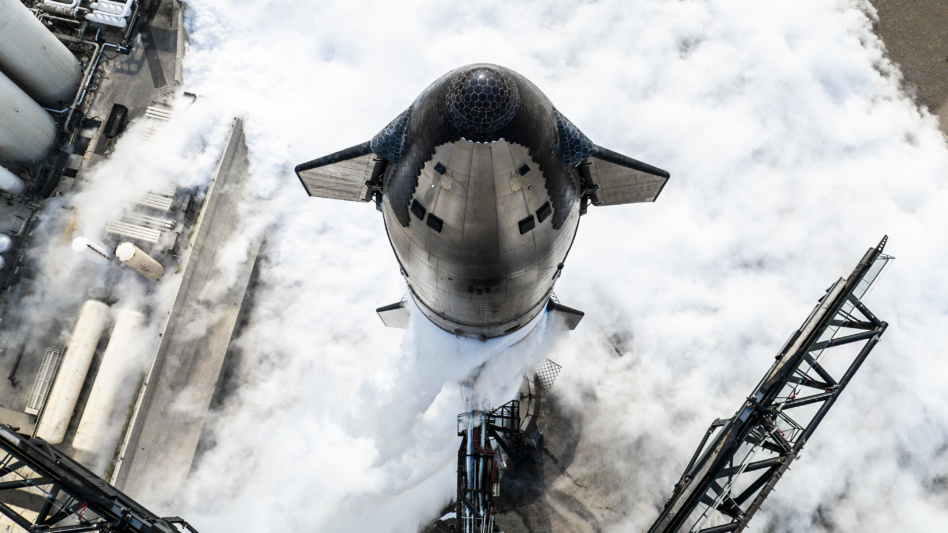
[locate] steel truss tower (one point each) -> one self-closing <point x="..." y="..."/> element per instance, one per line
<point x="42" y="489"/>
<point x="727" y="481"/>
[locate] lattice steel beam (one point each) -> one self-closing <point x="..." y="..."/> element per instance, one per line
<point x="728" y="480"/>
<point x="73" y="498"/>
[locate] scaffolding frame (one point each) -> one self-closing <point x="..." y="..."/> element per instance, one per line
<point x="727" y="481"/>
<point x="44" y="490"/>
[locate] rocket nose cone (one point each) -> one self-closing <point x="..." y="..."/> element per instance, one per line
<point x="482" y="100"/>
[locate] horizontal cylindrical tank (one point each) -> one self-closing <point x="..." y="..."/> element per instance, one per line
<point x="107" y="19"/>
<point x="6" y="242"/>
<point x="120" y="9"/>
<point x="34" y="58"/>
<point x="10" y="183"/>
<point x="112" y="391"/>
<point x="91" y="250"/>
<point x="138" y="260"/>
<point x="72" y="372"/>
<point x="27" y="131"/>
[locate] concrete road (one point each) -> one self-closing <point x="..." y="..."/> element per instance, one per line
<point x="915" y="33"/>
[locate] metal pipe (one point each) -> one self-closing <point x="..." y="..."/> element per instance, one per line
<point x="819" y="370"/>
<point x="754" y="487"/>
<point x="94" y="64"/>
<point x="868" y="314"/>
<point x="47" y="16"/>
<point x="24" y="483"/>
<point x="484" y="451"/>
<point x="842" y="384"/>
<point x="759" y="465"/>
<point x="90" y="70"/>
<point x="694" y="458"/>
<point x="62" y="5"/>
<point x="845" y="340"/>
<point x="481" y="460"/>
<point x="469" y="459"/>
<point x="15" y="517"/>
<point x="469" y="468"/>
<point x="113" y="8"/>
<point x="47" y="505"/>
<point x="115" y="14"/>
<point x="123" y="48"/>
<point x="800" y="402"/>
<point x="722" y="529"/>
<point x="478" y="491"/>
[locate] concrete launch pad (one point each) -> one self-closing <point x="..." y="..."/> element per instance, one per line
<point x="169" y="417"/>
<point x="574" y="489"/>
<point x="915" y="34"/>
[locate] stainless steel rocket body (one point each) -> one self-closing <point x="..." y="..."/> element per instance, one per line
<point x="481" y="182"/>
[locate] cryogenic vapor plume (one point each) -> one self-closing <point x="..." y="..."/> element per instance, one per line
<point x="183" y="154"/>
<point x="792" y="150"/>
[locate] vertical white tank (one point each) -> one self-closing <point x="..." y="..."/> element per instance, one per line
<point x="6" y="242"/>
<point x="112" y="391"/>
<point x="138" y="260"/>
<point x="91" y="250"/>
<point x="34" y="58"/>
<point x="72" y="372"/>
<point x="27" y="131"/>
<point x="10" y="183"/>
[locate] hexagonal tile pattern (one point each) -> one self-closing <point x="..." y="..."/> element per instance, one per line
<point x="482" y="100"/>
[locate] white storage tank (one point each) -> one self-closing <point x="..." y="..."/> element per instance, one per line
<point x="113" y="388"/>
<point x="72" y="372"/>
<point x="27" y="131"/>
<point x="91" y="250"/>
<point x="138" y="260"/>
<point x="10" y="183"/>
<point x="34" y="58"/>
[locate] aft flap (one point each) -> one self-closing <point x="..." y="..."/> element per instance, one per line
<point x="394" y="315"/>
<point x="570" y="316"/>
<point x="344" y="175"/>
<point x="619" y="179"/>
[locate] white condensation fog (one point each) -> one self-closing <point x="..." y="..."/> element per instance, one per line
<point x="183" y="152"/>
<point x="791" y="151"/>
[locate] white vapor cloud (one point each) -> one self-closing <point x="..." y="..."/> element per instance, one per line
<point x="183" y="153"/>
<point x="791" y="151"/>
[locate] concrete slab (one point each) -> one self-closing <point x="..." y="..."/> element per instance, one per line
<point x="18" y="419"/>
<point x="169" y="418"/>
<point x="915" y="33"/>
<point x="146" y="76"/>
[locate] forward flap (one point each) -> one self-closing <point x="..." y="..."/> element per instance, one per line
<point x="619" y="179"/>
<point x="344" y="175"/>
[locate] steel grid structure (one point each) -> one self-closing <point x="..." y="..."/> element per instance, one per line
<point x="726" y="482"/>
<point x="43" y="490"/>
<point x="492" y="442"/>
<point x="544" y="376"/>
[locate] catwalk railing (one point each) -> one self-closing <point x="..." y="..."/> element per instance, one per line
<point x="43" y="489"/>
<point x="726" y="481"/>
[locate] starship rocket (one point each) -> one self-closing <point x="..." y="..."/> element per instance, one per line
<point x="481" y="183"/>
